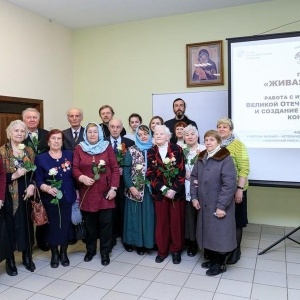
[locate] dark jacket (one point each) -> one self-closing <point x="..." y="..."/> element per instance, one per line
<point x="42" y="138"/>
<point x="69" y="143"/>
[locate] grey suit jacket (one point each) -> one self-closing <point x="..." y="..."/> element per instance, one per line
<point x="69" y="143"/>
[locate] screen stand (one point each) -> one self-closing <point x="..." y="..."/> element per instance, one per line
<point x="283" y="238"/>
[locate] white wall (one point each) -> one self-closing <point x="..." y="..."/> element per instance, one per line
<point x="36" y="62"/>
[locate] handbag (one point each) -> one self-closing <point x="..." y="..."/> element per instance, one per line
<point x="38" y="214"/>
<point x="76" y="216"/>
<point x="80" y="231"/>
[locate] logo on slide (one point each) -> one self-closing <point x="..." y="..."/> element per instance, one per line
<point x="297" y="57"/>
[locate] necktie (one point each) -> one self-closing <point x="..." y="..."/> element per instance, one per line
<point x="75" y="136"/>
<point x="116" y="146"/>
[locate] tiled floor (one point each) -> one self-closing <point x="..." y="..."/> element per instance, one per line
<point x="273" y="275"/>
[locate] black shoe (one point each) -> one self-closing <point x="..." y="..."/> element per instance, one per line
<point x="11" y="268"/>
<point x="128" y="248"/>
<point x="89" y="256"/>
<point x="193" y="249"/>
<point x="27" y="262"/>
<point x="105" y="259"/>
<point x="140" y="250"/>
<point x="216" y="270"/>
<point x="234" y="256"/>
<point x="44" y="247"/>
<point x="54" y="263"/>
<point x="208" y="264"/>
<point x="159" y="259"/>
<point x="63" y="257"/>
<point x="176" y="258"/>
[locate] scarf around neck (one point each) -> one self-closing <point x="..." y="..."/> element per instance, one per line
<point x="97" y="148"/>
<point x="228" y="140"/>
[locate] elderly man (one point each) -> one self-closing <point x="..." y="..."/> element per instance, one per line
<point x="106" y="113"/>
<point x="179" y="107"/>
<point x="120" y="145"/>
<point x="73" y="135"/>
<point x="37" y="140"/>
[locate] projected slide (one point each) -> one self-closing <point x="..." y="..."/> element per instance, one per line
<point x="265" y="92"/>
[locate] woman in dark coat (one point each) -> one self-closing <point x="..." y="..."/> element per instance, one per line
<point x="213" y="184"/>
<point x="57" y="164"/>
<point x="18" y="161"/>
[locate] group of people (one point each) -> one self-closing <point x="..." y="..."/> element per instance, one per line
<point x="155" y="188"/>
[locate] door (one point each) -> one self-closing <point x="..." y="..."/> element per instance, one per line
<point x="11" y="109"/>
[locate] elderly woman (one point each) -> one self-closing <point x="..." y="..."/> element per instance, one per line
<point x="55" y="179"/>
<point x="191" y="150"/>
<point x="139" y="207"/>
<point x="240" y="157"/>
<point x="96" y="169"/>
<point x="178" y="130"/>
<point x="18" y="161"/>
<point x="166" y="172"/>
<point x="213" y="183"/>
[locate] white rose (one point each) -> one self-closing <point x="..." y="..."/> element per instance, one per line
<point x="184" y="146"/>
<point x="101" y="163"/>
<point x="52" y="172"/>
<point x="167" y="160"/>
<point x="34" y="135"/>
<point x="119" y="147"/>
<point x="173" y="159"/>
<point x="138" y="167"/>
<point x="21" y="146"/>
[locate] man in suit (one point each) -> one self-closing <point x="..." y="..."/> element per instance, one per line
<point x="115" y="127"/>
<point x="37" y="140"/>
<point x="106" y="113"/>
<point x="73" y="135"/>
<point x="179" y="107"/>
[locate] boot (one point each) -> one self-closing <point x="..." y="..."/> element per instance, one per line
<point x="63" y="256"/>
<point x="234" y="256"/>
<point x="54" y="263"/>
<point x="27" y="260"/>
<point x="11" y="268"/>
<point x="193" y="248"/>
<point x="219" y="267"/>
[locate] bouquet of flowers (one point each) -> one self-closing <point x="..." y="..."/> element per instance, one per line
<point x="186" y="151"/>
<point x="120" y="154"/>
<point x="169" y="170"/>
<point x="54" y="183"/>
<point x="139" y="177"/>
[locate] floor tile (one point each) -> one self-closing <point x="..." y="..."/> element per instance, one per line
<point x="270" y="278"/>
<point x="132" y="286"/>
<point x="142" y="272"/>
<point x="204" y="283"/>
<point x="161" y="291"/>
<point x="250" y="243"/>
<point x="271" y="237"/>
<point x="218" y="296"/>
<point x="149" y="261"/>
<point x="90" y="292"/>
<point x="240" y="274"/>
<point x="13" y="280"/>
<point x="172" y="277"/>
<point x="293" y="294"/>
<point x="263" y="292"/>
<point x="38" y="296"/>
<point x="271" y="265"/>
<point x="273" y="255"/>
<point x="187" y="293"/>
<point x="293" y="268"/>
<point x="293" y="281"/>
<point x="118" y="268"/>
<point x="273" y="230"/>
<point x="34" y="282"/>
<point x="253" y="228"/>
<point x="59" y="288"/>
<point x="129" y="257"/>
<point x="112" y="295"/>
<point x="104" y="280"/>
<point x="53" y="272"/>
<point x="15" y="294"/>
<point x="245" y="262"/>
<point x="266" y="244"/>
<point x="78" y="275"/>
<point x="293" y="257"/>
<point x="249" y="252"/>
<point x="185" y="266"/>
<point x="251" y="235"/>
<point x="234" y="288"/>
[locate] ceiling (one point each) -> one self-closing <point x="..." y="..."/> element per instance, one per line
<point x="76" y="14"/>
